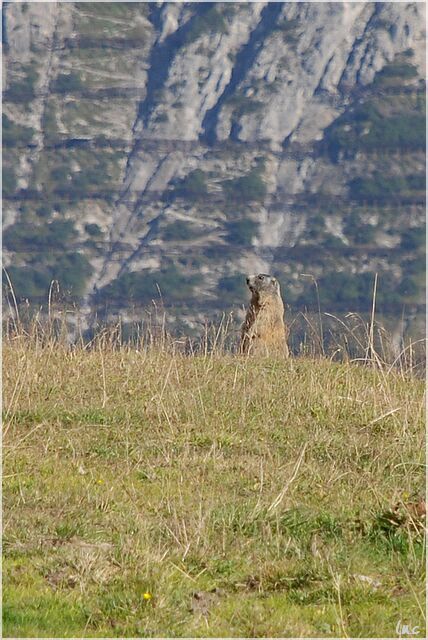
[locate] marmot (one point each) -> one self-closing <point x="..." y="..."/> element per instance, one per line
<point x="264" y="331"/>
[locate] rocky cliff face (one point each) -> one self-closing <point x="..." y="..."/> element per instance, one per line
<point x="180" y="145"/>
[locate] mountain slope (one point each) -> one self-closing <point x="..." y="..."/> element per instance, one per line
<point x="182" y="145"/>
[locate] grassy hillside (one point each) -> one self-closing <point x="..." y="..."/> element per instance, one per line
<point x="151" y="494"/>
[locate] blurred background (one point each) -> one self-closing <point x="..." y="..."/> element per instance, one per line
<point x="161" y="151"/>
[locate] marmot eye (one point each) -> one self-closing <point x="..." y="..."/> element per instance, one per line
<point x="260" y="277"/>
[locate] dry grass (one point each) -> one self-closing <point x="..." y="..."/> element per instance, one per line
<point x="152" y="493"/>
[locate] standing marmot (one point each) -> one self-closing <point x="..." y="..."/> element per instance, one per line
<point x="264" y="332"/>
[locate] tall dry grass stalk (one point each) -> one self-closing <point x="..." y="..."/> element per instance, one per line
<point x="350" y="338"/>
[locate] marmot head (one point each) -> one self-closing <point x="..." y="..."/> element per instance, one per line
<point x="262" y="286"/>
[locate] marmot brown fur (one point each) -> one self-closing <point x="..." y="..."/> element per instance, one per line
<point x="264" y="331"/>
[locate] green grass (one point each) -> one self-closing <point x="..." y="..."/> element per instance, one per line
<point x="151" y="494"/>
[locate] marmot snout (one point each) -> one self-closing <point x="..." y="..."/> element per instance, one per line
<point x="264" y="331"/>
